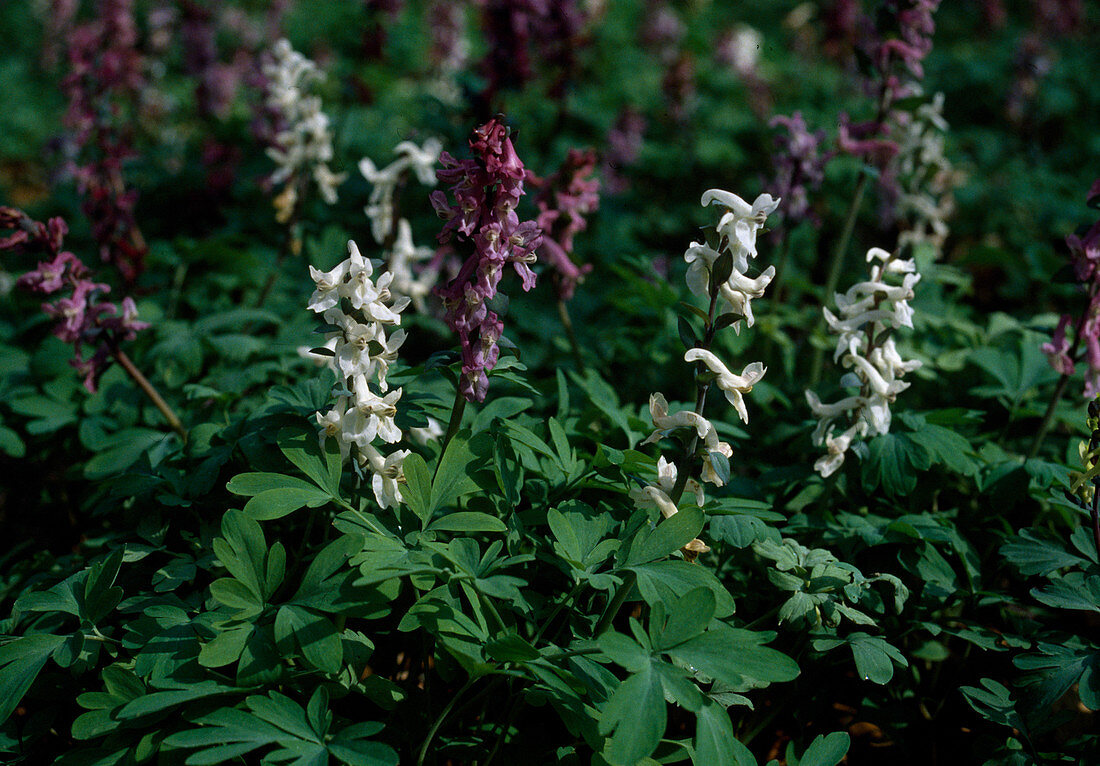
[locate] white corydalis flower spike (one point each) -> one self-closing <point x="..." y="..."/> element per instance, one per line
<point x="738" y="227"/>
<point x="864" y="312"/>
<point x="358" y="309"/>
<point x="420" y="159"/>
<point x="304" y="145"/>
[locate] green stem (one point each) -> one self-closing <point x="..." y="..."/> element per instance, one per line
<point x="567" y="323"/>
<point x="1048" y="416"/>
<point x="683" y="467"/>
<point x="457" y="410"/>
<point x="1096" y="516"/>
<point x="148" y="389"/>
<point x="291" y="245"/>
<point x="440" y="719"/>
<point x="561" y="605"/>
<point x="616" y="603"/>
<point x="836" y="266"/>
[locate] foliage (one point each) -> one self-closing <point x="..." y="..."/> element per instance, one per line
<point x="242" y="596"/>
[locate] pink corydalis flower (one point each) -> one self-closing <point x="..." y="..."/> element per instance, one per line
<point x="82" y="319"/>
<point x="564" y="201"/>
<point x="799" y="165"/>
<point x="486" y="190"/>
<point x="1057" y="348"/>
<point x="104" y="87"/>
<point x="1063" y="355"/>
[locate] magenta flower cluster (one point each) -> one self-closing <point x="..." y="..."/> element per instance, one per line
<point x="486" y="190"/>
<point x="897" y="47"/>
<point x="624" y="144"/>
<point x="82" y="319"/>
<point x="1063" y="355"/>
<point x="511" y="26"/>
<point x="799" y="167"/>
<point x="565" y="199"/>
<point x="103" y="88"/>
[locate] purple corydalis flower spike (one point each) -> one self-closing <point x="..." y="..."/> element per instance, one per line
<point x="565" y="199"/>
<point x="81" y="317"/>
<point x="486" y="190"/>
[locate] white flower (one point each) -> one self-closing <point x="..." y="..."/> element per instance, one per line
<point x="332" y="425"/>
<point x="424" y="435"/>
<point x="733" y="386"/>
<point x="865" y="311"/>
<point x="710" y="474"/>
<point x="666" y="482"/>
<point x="666" y="423"/>
<point x="741" y="222"/>
<point x="327" y="294"/>
<point x="403" y="255"/>
<point x="371" y="415"/>
<point x="384" y="181"/>
<point x="305" y="144"/>
<point x="738" y="227"/>
<point x="388" y="474"/>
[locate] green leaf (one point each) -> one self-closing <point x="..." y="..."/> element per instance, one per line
<point x="994" y="703"/>
<point x="313" y="633"/>
<point x="1035" y="555"/>
<point x="1055" y="668"/>
<point x="672" y="534"/>
<point x="417" y="493"/>
<point x="827" y="750"/>
<point x="163" y="700"/>
<point x="946" y="447"/>
<point x="666" y="581"/>
<point x="250" y="484"/>
<point x="623" y="650"/>
<point x="874" y="657"/>
<point x="687" y="618"/>
<point x="20" y="662"/>
<point x="224" y="648"/>
<point x="101" y="595"/>
<point x="510" y="647"/>
<point x="323" y="466"/>
<point x="714" y="739"/>
<point x="893" y="462"/>
<point x="452" y="478"/>
<point x="130" y="445"/>
<point x="1074" y="591"/>
<point x="332" y="559"/>
<point x="277" y="503"/>
<point x="637" y="716"/>
<point x="467" y="521"/>
<point x="733" y="654"/>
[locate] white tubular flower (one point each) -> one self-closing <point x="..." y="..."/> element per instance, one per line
<point x="666" y="481"/>
<point x="304" y="145"/>
<point x="738" y="227"/>
<point x="371" y="416"/>
<point x="425" y="435"/>
<point x="710" y="474"/>
<point x="388" y="474"/>
<point x="666" y="423"/>
<point x="403" y="255"/>
<point x="741" y="222"/>
<point x="865" y="311"/>
<point x="926" y="178"/>
<point x="733" y="386"/>
<point x="421" y="160"/>
<point x="363" y="355"/>
<point x="327" y="294"/>
<point x="332" y="425"/>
